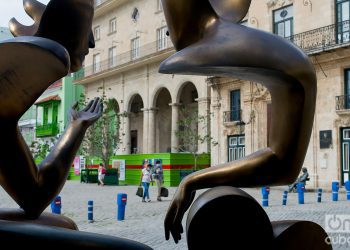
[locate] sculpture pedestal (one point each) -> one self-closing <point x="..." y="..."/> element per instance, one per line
<point x="229" y="218"/>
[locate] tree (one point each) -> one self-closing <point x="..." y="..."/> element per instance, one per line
<point x="41" y="148"/>
<point x="102" y="139"/>
<point x="189" y="124"/>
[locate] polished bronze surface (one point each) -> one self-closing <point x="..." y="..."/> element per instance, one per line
<point x="228" y="218"/>
<point x="47" y="219"/>
<point x="301" y="235"/>
<point x="23" y="235"/>
<point x="28" y="65"/>
<point x="211" y="42"/>
<point x="225" y="218"/>
<point x="35" y="10"/>
<point x="53" y="46"/>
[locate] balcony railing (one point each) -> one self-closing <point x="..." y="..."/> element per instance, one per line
<point x="323" y="38"/>
<point x="232" y="116"/>
<point x="313" y="41"/>
<point x="125" y="58"/>
<point x="342" y="102"/>
<point x="47" y="130"/>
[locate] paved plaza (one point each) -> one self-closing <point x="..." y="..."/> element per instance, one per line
<point x="144" y="221"/>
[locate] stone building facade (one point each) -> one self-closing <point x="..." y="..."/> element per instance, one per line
<point x="131" y="43"/>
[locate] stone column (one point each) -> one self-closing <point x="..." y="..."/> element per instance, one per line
<point x="204" y="128"/>
<point x="126" y="139"/>
<point x="145" y="149"/>
<point x="174" y="126"/>
<point x="152" y="130"/>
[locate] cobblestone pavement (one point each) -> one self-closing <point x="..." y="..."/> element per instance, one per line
<point x="144" y="221"/>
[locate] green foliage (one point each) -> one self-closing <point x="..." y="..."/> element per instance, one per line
<point x="40" y="148"/>
<point x="102" y="138"/>
<point x="189" y="124"/>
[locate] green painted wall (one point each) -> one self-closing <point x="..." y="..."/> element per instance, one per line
<point x="175" y="166"/>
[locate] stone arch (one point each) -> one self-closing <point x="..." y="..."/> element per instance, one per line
<point x="135" y="114"/>
<point x="187" y="96"/>
<point x="163" y="119"/>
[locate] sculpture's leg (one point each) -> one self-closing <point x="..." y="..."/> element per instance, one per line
<point x="48" y="219"/>
<point x="228" y="218"/>
<point x="23" y="235"/>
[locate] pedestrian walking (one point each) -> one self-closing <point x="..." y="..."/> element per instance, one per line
<point x="101" y="174"/>
<point x="158" y="177"/>
<point x="146" y="178"/>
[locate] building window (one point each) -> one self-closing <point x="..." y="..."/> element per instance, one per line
<point x="343" y="16"/>
<point x="112" y="56"/>
<point x="347" y="89"/>
<point x="97" y="33"/>
<point x="283" y="21"/>
<point x="235" y="105"/>
<point x="159" y="5"/>
<point x="135" y="48"/>
<point x="236" y="147"/>
<point x="96" y="63"/>
<point x="112" y="25"/>
<point x="162" y="41"/>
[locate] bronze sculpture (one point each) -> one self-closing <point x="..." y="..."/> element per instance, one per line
<point x="210" y="41"/>
<point x="55" y="45"/>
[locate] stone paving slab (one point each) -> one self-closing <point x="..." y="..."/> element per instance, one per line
<point x="144" y="221"/>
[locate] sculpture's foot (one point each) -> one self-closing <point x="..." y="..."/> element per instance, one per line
<point x="44" y="219"/>
<point x="229" y="218"/>
<point x="301" y="235"/>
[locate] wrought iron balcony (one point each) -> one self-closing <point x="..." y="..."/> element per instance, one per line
<point x="342" y="102"/>
<point x="324" y="38"/>
<point x="123" y="59"/>
<point x="232" y="116"/>
<point x="47" y="130"/>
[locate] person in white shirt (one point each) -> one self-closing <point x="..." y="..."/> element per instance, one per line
<point x="146" y="178"/>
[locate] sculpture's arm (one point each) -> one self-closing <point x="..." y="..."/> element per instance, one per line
<point x="34" y="187"/>
<point x="53" y="171"/>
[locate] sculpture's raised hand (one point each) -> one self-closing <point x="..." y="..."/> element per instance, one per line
<point x="89" y="114"/>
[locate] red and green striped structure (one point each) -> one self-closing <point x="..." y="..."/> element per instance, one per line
<point x="175" y="166"/>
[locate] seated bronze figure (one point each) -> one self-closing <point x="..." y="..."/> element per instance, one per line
<point x="210" y="41"/>
<point x="55" y="45"/>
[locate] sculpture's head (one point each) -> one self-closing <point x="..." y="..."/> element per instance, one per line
<point x="67" y="22"/>
<point x="188" y="19"/>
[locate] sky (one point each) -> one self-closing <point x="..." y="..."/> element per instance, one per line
<point x="14" y="8"/>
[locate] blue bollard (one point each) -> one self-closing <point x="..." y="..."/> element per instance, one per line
<point x="285" y="195"/>
<point x="319" y="194"/>
<point x="347" y="187"/>
<point x="301" y="190"/>
<point x="335" y="190"/>
<point x="90" y="211"/>
<point x="265" y="196"/>
<point x="56" y="205"/>
<point x="121" y="202"/>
